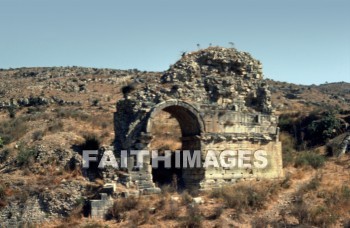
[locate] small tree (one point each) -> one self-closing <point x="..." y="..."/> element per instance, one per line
<point x="325" y="128"/>
<point x="12" y="111"/>
<point x="1" y="143"/>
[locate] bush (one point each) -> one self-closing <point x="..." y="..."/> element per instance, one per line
<point x="312" y="129"/>
<point x="345" y="191"/>
<point x="322" y="216"/>
<point x="325" y="128"/>
<point x="120" y="206"/>
<point x="310" y="158"/>
<point x="56" y="126"/>
<point x="243" y="197"/>
<point x="193" y="218"/>
<point x="26" y="156"/>
<point x="313" y="184"/>
<point x="4" y="155"/>
<point x="1" y="143"/>
<point x="186" y="198"/>
<point x="288" y="149"/>
<point x="38" y="135"/>
<point x="91" y="142"/>
<point x="286" y="182"/>
<point x="216" y="213"/>
<point x="338" y="196"/>
<point x="12" y="112"/>
<point x="322" y="213"/>
<point x="12" y="130"/>
<point x="300" y="211"/>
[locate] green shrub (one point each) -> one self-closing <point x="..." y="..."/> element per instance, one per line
<point x="325" y="128"/>
<point x="313" y="184"/>
<point x="287" y="158"/>
<point x="4" y="155"/>
<point x="312" y="129"/>
<point x="288" y="149"/>
<point x="1" y="143"/>
<point x="345" y="191"/>
<point x="12" y="112"/>
<point x="26" y="156"/>
<point x="310" y="158"/>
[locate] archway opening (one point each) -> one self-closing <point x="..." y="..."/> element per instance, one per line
<point x="174" y="128"/>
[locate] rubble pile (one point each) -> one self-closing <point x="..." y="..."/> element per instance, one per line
<point x="224" y="76"/>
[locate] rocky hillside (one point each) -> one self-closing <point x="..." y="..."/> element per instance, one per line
<point x="48" y="115"/>
<point x="85" y="86"/>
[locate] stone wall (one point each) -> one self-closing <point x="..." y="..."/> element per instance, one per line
<point x="220" y="101"/>
<point x="99" y="208"/>
<point x="216" y="177"/>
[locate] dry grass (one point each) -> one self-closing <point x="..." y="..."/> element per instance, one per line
<point x="320" y="204"/>
<point x="12" y="130"/>
<point x="247" y="196"/>
<point x="120" y="207"/>
<point x="193" y="218"/>
<point x="288" y="149"/>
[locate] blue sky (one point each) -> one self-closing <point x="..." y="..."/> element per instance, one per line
<point x="303" y="42"/>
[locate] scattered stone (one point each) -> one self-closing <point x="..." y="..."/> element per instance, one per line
<point x="198" y="200"/>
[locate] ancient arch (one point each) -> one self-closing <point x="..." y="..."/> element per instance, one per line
<point x="188" y="116"/>
<point x="221" y="102"/>
<point x="191" y="125"/>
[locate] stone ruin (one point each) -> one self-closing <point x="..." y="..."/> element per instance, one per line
<point x="218" y="99"/>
